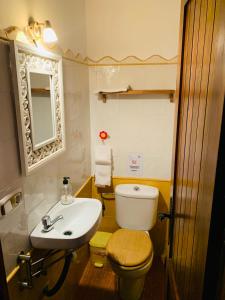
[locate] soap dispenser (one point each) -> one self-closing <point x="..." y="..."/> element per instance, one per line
<point x="66" y="196"/>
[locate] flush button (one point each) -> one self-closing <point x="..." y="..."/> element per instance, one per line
<point x="136" y="188"/>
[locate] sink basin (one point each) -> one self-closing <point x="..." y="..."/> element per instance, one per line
<point x="80" y="221"/>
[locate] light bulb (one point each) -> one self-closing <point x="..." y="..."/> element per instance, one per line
<point x="49" y="35"/>
<point x="21" y="37"/>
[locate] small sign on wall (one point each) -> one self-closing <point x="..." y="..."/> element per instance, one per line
<point x="135" y="164"/>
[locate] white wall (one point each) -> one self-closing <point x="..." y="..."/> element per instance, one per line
<point x="140" y="124"/>
<point x="135" y="124"/>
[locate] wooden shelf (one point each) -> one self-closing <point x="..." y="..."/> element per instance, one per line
<point x="41" y="92"/>
<point x="170" y="93"/>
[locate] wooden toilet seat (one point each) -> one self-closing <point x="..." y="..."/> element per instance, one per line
<point x="129" y="248"/>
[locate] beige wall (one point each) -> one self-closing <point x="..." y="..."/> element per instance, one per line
<point x="135" y="124"/>
<point x="42" y="189"/>
<point x="67" y="18"/>
<point x="132" y="27"/>
<point x="14" y="12"/>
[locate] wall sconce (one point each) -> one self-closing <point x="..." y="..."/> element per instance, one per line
<point x="42" y="31"/>
<point x="35" y="32"/>
<point x="16" y="33"/>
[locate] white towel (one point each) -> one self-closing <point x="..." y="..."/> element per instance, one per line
<point x="103" y="175"/>
<point x="114" y="90"/>
<point x="103" y="165"/>
<point x="103" y="155"/>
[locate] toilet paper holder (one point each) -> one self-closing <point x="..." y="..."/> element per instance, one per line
<point x="14" y="198"/>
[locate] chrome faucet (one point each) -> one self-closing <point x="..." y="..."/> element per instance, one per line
<point x="48" y="223"/>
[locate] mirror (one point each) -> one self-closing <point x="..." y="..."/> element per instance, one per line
<point x="38" y="88"/>
<point x="42" y="106"/>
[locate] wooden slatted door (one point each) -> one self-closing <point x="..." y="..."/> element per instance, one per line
<point x="198" y="134"/>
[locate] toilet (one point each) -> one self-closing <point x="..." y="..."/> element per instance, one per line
<point x="130" y="249"/>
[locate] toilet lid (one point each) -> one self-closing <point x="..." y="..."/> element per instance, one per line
<point x="129" y="247"/>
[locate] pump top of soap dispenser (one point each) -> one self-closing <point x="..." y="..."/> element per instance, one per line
<point x="66" y="197"/>
<point x="66" y="180"/>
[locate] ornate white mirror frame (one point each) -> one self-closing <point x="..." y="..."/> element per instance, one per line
<point x="26" y="59"/>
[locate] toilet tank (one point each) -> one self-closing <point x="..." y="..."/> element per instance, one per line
<point x="136" y="206"/>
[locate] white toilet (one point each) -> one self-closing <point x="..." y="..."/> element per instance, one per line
<point x="130" y="250"/>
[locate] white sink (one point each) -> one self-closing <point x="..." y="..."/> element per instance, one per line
<point x="80" y="220"/>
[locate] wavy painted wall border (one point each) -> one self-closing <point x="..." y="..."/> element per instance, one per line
<point x="108" y="60"/>
<point x="130" y="60"/>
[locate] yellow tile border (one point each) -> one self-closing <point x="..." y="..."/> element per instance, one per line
<point x="83" y="186"/>
<point x="12" y="274"/>
<point x="141" y="179"/>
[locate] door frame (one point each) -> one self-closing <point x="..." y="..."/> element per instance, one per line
<point x="214" y="281"/>
<point x="170" y="276"/>
<point x="177" y="106"/>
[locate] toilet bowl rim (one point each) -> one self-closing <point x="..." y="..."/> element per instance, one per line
<point x="133" y="268"/>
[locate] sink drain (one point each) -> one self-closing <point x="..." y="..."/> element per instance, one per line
<point x="68" y="232"/>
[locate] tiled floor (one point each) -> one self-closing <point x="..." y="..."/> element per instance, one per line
<point x="100" y="284"/>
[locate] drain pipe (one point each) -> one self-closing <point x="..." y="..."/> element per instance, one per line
<point x="50" y="292"/>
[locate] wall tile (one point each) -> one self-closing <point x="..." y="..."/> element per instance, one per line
<point x="139" y="124"/>
<point x="41" y="190"/>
